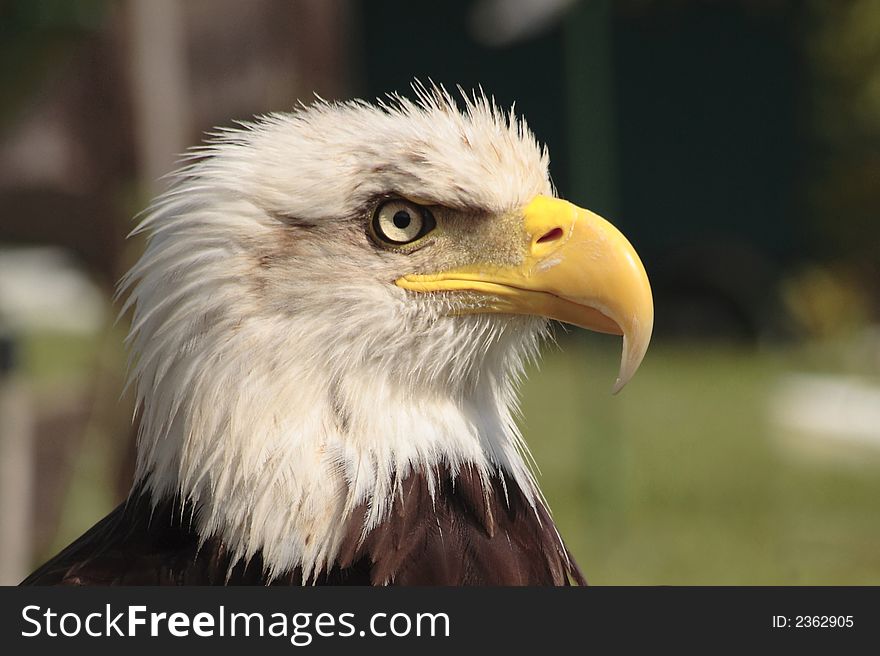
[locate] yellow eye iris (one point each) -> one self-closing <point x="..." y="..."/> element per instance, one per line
<point x="400" y="222"/>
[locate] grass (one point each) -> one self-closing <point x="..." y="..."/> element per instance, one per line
<point x="680" y="480"/>
<point x="64" y="369"/>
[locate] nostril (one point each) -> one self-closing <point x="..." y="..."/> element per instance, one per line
<point x="553" y="235"/>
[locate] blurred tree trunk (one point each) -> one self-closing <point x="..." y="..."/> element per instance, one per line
<point x="159" y="86"/>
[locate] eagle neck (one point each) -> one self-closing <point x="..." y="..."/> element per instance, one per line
<point x="281" y="465"/>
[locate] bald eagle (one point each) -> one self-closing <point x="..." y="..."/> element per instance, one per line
<point x="330" y="320"/>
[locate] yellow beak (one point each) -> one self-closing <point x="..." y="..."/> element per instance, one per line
<point x="577" y="268"/>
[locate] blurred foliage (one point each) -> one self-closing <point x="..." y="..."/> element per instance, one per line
<point x="827" y="302"/>
<point x="842" y="43"/>
<point x="35" y="39"/>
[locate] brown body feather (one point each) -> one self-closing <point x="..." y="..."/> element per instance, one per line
<point x="468" y="533"/>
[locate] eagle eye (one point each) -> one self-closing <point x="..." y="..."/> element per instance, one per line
<point x="399" y="222"/>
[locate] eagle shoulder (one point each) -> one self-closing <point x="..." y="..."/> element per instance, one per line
<point x="467" y="531"/>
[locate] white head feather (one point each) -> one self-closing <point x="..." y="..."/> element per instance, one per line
<point x="282" y="378"/>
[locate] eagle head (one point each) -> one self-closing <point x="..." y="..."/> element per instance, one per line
<point x="333" y="299"/>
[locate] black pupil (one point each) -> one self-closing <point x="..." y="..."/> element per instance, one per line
<point x="401" y="219"/>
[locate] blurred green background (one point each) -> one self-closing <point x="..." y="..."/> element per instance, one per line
<point x="737" y="144"/>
